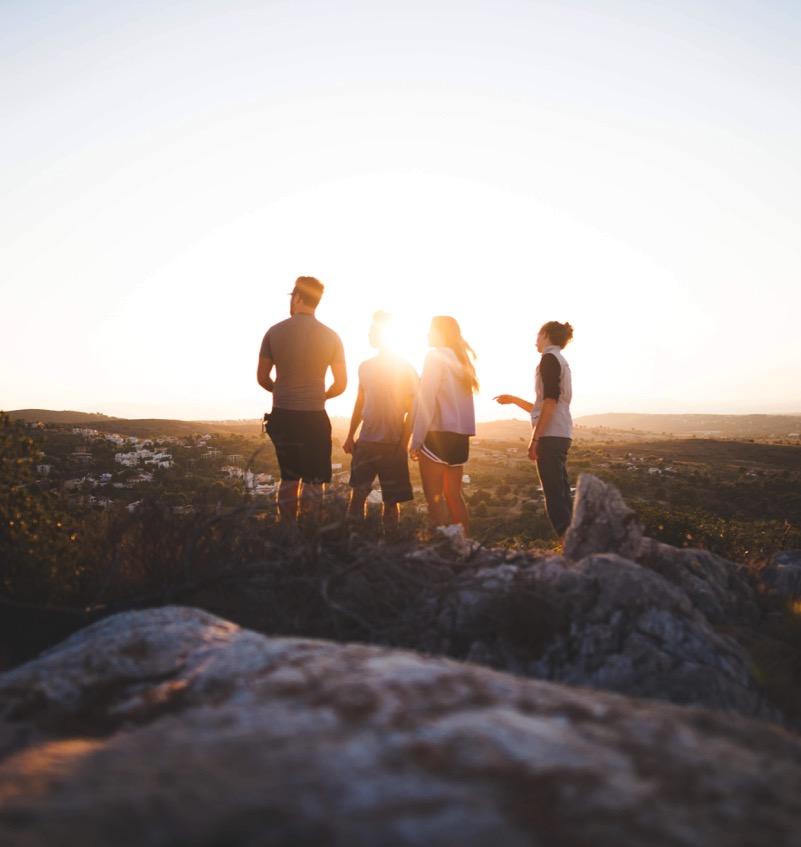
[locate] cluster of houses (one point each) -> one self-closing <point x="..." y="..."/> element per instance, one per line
<point x="143" y="455"/>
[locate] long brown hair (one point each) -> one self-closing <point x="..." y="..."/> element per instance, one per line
<point x="446" y="329"/>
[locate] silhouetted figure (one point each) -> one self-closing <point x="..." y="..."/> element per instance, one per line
<point x="444" y="420"/>
<point x="383" y="408"/>
<point x="302" y="350"/>
<point x="553" y="425"/>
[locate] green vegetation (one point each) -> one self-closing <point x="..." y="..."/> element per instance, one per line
<point x="37" y="536"/>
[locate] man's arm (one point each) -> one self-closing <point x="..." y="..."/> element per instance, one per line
<point x="340" y="382"/>
<point x="355" y="420"/>
<point x="408" y="412"/>
<point x="263" y="373"/>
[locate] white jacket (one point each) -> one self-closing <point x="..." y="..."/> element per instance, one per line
<point x="443" y="402"/>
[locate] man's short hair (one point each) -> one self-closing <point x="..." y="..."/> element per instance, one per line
<point x="309" y="289"/>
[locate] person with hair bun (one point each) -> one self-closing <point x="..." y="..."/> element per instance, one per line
<point x="444" y="420"/>
<point x="551" y="421"/>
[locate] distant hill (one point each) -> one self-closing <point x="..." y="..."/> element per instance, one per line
<point x="720" y="426"/>
<point x="140" y="427"/>
<point x="63" y="417"/>
<point x="591" y="427"/>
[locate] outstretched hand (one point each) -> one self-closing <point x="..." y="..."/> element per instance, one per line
<point x="504" y="399"/>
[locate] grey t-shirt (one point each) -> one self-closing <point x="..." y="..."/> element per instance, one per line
<point x="302" y="350"/>
<point x="389" y="384"/>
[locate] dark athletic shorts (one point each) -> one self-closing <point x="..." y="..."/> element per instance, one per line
<point x="302" y="443"/>
<point x="386" y="461"/>
<point x="447" y="448"/>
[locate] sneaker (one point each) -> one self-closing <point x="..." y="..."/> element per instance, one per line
<point x="454" y="534"/>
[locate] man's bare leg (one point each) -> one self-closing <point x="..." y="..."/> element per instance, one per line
<point x="311" y="502"/>
<point x="357" y="504"/>
<point x="390" y="514"/>
<point x="288" y="501"/>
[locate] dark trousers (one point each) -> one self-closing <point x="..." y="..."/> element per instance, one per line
<point x="551" y="465"/>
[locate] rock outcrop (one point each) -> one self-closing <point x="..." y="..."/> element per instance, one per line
<point x="602" y="522"/>
<point x="604" y="622"/>
<point x="598" y="618"/>
<point x="170" y="726"/>
<point x="721" y="590"/>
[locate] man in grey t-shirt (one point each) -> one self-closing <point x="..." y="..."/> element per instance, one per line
<point x="383" y="407"/>
<point x="301" y="350"/>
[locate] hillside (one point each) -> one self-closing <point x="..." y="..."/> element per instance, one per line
<point x="140" y="427"/>
<point x="65" y="416"/>
<point x="722" y="426"/>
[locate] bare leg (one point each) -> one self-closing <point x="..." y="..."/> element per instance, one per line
<point x="432" y="475"/>
<point x="311" y="502"/>
<point x="390" y="515"/>
<point x="288" y="501"/>
<point x="453" y="497"/>
<point x="356" y="504"/>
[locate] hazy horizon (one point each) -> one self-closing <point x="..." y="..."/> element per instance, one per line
<point x="518" y="416"/>
<point x="169" y="170"/>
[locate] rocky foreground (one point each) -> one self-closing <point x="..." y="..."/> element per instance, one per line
<point x="617" y="611"/>
<point x="173" y="727"/>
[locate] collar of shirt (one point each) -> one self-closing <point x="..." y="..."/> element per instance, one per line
<point x="552" y="348"/>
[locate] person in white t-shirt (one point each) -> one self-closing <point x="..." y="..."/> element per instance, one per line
<point x="444" y="420"/>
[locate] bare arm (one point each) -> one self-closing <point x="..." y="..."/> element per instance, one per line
<point x="263" y="373"/>
<point x="506" y="399"/>
<point x="408" y="420"/>
<point x="355" y="420"/>
<point x="340" y="382"/>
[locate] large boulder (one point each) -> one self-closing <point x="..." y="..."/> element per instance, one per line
<point x="171" y="726"/>
<point x="602" y="522"/>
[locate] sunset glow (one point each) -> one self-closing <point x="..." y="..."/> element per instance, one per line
<point x="168" y="174"/>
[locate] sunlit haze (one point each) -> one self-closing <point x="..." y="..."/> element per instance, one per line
<point x="168" y="169"/>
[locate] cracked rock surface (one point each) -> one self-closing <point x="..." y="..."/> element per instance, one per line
<point x="605" y="622"/>
<point x="171" y="726"/>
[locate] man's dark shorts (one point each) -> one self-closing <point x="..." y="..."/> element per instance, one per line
<point x="302" y="443"/>
<point x="389" y="463"/>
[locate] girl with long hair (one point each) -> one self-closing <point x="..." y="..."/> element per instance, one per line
<point x="444" y="420"/>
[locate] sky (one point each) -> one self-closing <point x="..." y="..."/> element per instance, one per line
<point x="167" y="170"/>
